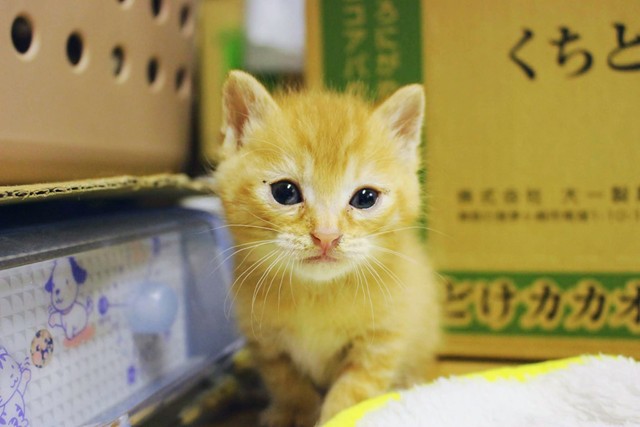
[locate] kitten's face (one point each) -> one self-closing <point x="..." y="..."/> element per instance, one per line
<point x="317" y="182"/>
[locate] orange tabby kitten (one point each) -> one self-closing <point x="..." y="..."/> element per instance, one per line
<point x="332" y="289"/>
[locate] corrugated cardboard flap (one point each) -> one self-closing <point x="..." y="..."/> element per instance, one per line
<point x="162" y="185"/>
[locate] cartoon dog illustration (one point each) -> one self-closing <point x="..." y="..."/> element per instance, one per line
<point x="65" y="310"/>
<point x="13" y="384"/>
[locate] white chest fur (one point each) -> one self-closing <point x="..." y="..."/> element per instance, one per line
<point x="314" y="351"/>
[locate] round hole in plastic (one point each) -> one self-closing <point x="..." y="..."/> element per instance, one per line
<point x="154" y="73"/>
<point x="22" y="34"/>
<point x="183" y="82"/>
<point x="75" y="48"/>
<point x="117" y="61"/>
<point x="156" y="7"/>
<point x="181" y="76"/>
<point x="185" y="17"/>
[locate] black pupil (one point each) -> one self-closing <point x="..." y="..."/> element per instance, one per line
<point x="364" y="199"/>
<point x="286" y="193"/>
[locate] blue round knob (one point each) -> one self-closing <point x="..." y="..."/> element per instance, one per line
<point x="153" y="308"/>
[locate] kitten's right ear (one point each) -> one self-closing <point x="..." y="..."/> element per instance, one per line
<point x="245" y="102"/>
<point x="403" y="113"/>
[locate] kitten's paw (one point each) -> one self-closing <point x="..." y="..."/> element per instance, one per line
<point x="277" y="416"/>
<point x="335" y="403"/>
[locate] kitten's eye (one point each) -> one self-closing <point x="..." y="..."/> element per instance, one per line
<point x="286" y="193"/>
<point x="364" y="198"/>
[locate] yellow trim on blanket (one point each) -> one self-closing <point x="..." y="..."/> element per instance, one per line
<point x="527" y="372"/>
<point x="351" y="416"/>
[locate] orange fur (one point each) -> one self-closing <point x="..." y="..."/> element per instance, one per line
<point x="355" y="326"/>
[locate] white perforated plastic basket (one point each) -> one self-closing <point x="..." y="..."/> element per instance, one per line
<point x="94" y="87"/>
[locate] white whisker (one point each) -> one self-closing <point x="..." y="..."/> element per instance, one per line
<point x="359" y="279"/>
<point x="245" y="274"/>
<point x="245" y="246"/>
<point x="411" y="227"/>
<point x="381" y="285"/>
<point x="284" y="271"/>
<point x="293" y="297"/>
<point x="279" y="230"/>
<point x="248" y="248"/>
<point x="389" y="272"/>
<point x="373" y="316"/>
<point x="396" y="253"/>
<point x="261" y="283"/>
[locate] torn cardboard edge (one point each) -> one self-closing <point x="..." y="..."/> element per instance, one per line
<point x="168" y="185"/>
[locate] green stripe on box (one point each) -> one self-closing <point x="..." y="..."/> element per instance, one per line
<point x="377" y="43"/>
<point x="588" y="305"/>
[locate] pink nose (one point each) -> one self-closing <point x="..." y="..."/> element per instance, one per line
<point x="325" y="240"/>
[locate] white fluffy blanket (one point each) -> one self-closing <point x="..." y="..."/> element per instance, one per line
<point x="586" y="392"/>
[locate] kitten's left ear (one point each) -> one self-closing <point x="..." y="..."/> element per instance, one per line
<point x="403" y="113"/>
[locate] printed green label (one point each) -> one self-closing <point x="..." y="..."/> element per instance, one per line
<point x="371" y="46"/>
<point x="599" y="305"/>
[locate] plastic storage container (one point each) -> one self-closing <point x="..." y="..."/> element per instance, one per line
<point x="102" y="316"/>
<point x="94" y="89"/>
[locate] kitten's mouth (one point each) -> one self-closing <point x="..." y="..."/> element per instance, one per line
<point x="320" y="259"/>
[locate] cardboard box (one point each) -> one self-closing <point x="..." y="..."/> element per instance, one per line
<point x="532" y="146"/>
<point x="164" y="187"/>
